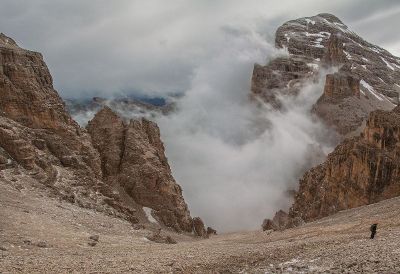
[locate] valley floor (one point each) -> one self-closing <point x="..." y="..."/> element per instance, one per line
<point x="338" y="244"/>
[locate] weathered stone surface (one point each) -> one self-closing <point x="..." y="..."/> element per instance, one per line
<point x="281" y="219"/>
<point x="283" y="75"/>
<point x="108" y="135"/>
<point x="360" y="171"/>
<point x="339" y="86"/>
<point x="133" y="156"/>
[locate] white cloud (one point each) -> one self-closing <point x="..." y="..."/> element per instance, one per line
<point x="234" y="161"/>
<point x="152" y="47"/>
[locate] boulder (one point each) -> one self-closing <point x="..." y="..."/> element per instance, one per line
<point x="199" y="228"/>
<point x="268" y="224"/>
<point x="211" y="231"/>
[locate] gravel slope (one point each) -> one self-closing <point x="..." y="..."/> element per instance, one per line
<point x="338" y="244"/>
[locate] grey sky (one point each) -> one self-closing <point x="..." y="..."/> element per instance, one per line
<point x="153" y="47"/>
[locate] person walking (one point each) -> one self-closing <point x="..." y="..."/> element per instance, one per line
<point x="373" y="230"/>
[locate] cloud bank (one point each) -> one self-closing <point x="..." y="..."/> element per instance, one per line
<point x="235" y="161"/>
<point x="153" y="47"/>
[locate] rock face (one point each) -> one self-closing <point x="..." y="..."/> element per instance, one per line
<point x="26" y="78"/>
<point x="368" y="76"/>
<point x="284" y="75"/>
<point x="360" y="171"/>
<point x="133" y="156"/>
<point x="36" y="131"/>
<point x="118" y="168"/>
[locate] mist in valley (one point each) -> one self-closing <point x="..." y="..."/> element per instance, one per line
<point x="237" y="159"/>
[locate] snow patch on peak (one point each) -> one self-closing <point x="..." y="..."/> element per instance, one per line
<point x="287" y="37"/>
<point x="150" y="217"/>
<point x="309" y="21"/>
<point x="369" y="88"/>
<point x="317" y="43"/>
<point x="387" y="64"/>
<point x="348" y="56"/>
<point x="375" y="50"/>
<point x="322" y="34"/>
<point x="313" y="66"/>
<point x="339" y="26"/>
<point x="396" y="65"/>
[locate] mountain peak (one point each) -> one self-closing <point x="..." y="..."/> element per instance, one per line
<point x="330" y="17"/>
<point x="7" y="41"/>
<point x="324" y="41"/>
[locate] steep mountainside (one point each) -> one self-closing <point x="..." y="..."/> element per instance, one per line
<point x="367" y="77"/>
<point x="133" y="157"/>
<point x="39" y="139"/>
<point x="357" y="100"/>
<point x="361" y="170"/>
<point x="35" y="130"/>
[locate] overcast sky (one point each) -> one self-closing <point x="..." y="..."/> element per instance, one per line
<point x="152" y="47"/>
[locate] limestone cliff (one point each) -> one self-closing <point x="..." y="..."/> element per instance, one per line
<point x="133" y="156"/>
<point x="360" y="171"/>
<point x="35" y="129"/>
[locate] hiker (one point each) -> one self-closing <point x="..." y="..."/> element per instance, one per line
<point x="373" y="230"/>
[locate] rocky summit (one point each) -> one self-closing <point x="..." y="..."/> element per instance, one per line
<point x="114" y="166"/>
<point x="367" y="77"/>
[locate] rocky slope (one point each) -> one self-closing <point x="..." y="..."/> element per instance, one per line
<point x="119" y="168"/>
<point x="39" y="234"/>
<point x="367" y="77"/>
